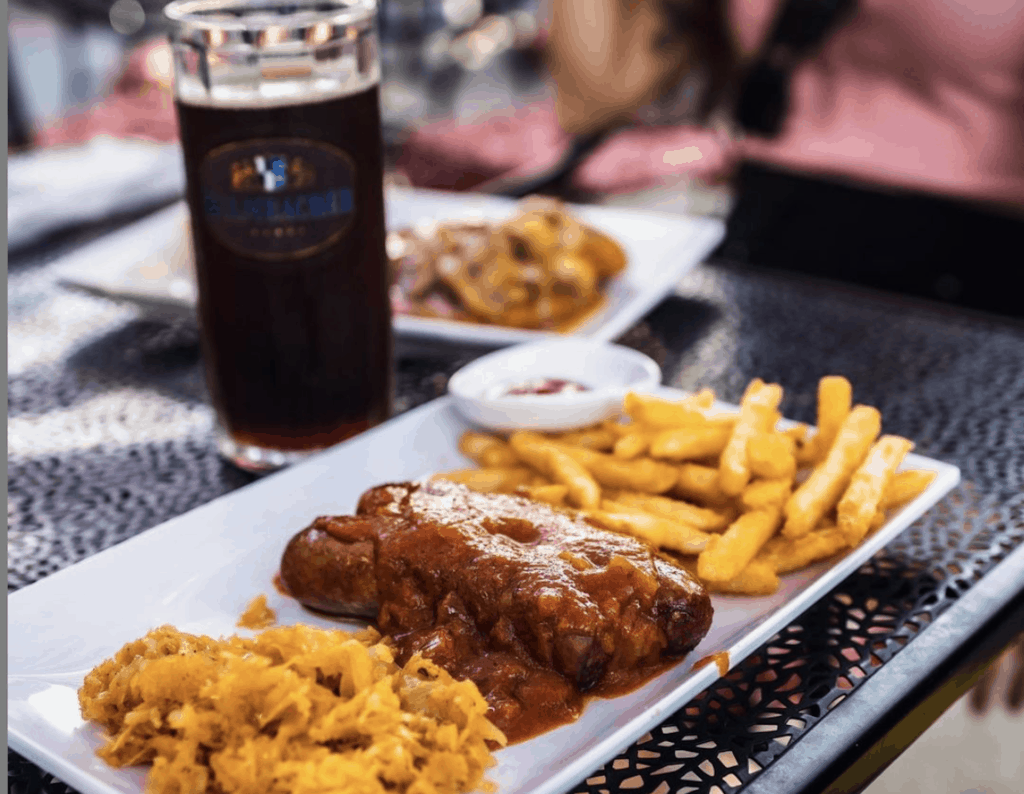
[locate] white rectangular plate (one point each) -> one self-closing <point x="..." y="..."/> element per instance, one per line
<point x="150" y="262"/>
<point x="200" y="570"/>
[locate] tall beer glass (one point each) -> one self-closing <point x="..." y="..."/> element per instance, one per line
<point x="280" y="124"/>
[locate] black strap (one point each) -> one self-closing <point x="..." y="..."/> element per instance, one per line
<point x="553" y="180"/>
<point x="800" y="27"/>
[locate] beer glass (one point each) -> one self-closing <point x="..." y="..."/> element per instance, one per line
<point x="280" y="124"/>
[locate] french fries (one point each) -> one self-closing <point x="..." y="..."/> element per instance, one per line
<point x="550" y="460"/>
<point x="656" y="530"/>
<point x="644" y="409"/>
<point x="822" y="490"/>
<point x="646" y="475"/>
<point x="487" y="450"/>
<point x="743" y="500"/>
<point x="761" y="494"/>
<point x="618" y="429"/>
<point x="697" y="517"/>
<point x="835" y="396"/>
<point x="757" y="415"/>
<point x="496" y="480"/>
<point x="860" y="501"/>
<point x="785" y="555"/>
<point x="728" y="554"/>
<point x="633" y="445"/>
<point x="695" y="442"/>
<point x="905" y="487"/>
<point x="598" y="438"/>
<point x="699" y="483"/>
<point x="770" y="455"/>
<point x="757" y="579"/>
<point x="550" y="494"/>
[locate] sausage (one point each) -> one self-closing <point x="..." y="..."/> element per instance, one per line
<point x="422" y="560"/>
<point x="331" y="566"/>
<point x="684" y="617"/>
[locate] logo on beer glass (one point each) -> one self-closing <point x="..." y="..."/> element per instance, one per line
<point x="277" y="199"/>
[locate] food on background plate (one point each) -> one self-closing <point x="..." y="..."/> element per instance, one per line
<point x="537" y="606"/>
<point x="540" y="269"/>
<point x="736" y="496"/>
<point x="294" y="710"/>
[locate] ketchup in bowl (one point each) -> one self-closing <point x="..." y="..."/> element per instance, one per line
<point x="544" y="386"/>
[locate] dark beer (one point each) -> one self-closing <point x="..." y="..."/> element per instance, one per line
<point x="288" y="221"/>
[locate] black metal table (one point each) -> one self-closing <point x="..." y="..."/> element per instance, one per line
<point x="110" y="434"/>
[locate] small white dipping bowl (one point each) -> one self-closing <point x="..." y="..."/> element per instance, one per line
<point x="609" y="372"/>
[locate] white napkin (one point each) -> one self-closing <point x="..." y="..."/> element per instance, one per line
<point x="63" y="186"/>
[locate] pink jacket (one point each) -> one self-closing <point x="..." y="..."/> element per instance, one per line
<point x="922" y="94"/>
<point x="919" y="94"/>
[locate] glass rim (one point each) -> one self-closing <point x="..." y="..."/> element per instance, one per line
<point x="194" y="13"/>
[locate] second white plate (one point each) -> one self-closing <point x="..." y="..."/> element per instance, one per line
<point x="149" y="263"/>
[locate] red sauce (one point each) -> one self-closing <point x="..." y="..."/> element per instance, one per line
<point x="545" y="386"/>
<point x="721" y="659"/>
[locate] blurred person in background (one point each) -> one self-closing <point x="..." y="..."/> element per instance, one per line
<point x="1002" y="682"/>
<point x="879" y="142"/>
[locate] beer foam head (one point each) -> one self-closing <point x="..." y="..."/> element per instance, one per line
<point x="229" y="53"/>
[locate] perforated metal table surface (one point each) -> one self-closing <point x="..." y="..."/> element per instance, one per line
<point x="109" y="434"/>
